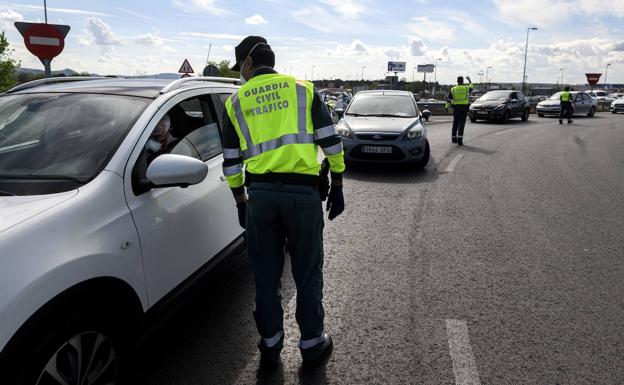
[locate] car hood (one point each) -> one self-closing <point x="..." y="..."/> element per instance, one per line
<point x="17" y="209"/>
<point x="618" y="101"/>
<point x="549" y="103"/>
<point x="487" y="103"/>
<point x="379" y="124"/>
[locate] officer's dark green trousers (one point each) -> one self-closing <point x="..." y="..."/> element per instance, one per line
<point x="278" y="215"/>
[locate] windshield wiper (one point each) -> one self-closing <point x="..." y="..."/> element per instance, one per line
<point x="44" y="177"/>
<point x="355" y="114"/>
<point x="391" y="116"/>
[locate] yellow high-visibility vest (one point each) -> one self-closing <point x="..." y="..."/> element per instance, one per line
<point x="461" y="94"/>
<point x="271" y="114"/>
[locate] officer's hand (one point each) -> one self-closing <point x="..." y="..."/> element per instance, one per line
<point x="335" y="202"/>
<point x="242" y="211"/>
<point x="468" y="77"/>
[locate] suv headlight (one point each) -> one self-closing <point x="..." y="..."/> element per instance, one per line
<point x="343" y="131"/>
<point x="414" y="133"/>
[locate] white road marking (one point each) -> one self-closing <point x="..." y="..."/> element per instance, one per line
<point x="451" y="166"/>
<point x="461" y="353"/>
<point x="44" y="40"/>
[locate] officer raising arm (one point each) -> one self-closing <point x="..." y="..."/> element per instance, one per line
<point x="459" y="97"/>
<point x="274" y="126"/>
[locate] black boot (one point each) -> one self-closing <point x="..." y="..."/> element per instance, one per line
<point x="318" y="353"/>
<point x="454" y="139"/>
<point x="570" y="121"/>
<point x="460" y="141"/>
<point x="560" y="121"/>
<point x="270" y="357"/>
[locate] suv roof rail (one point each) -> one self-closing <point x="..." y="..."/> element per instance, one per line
<point x="181" y="82"/>
<point x="41" y="82"/>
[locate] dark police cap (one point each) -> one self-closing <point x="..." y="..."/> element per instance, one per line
<point x="242" y="50"/>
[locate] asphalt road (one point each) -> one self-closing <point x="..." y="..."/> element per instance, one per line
<point x="501" y="263"/>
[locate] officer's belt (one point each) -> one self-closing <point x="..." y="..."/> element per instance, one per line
<point x="285" y="178"/>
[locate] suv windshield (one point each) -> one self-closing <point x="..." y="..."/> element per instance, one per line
<point x="495" y="95"/>
<point x="55" y="142"/>
<point x="382" y="105"/>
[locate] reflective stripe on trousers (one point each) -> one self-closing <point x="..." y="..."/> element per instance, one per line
<point x="302" y="136"/>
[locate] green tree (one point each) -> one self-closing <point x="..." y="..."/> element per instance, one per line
<point x="7" y="64"/>
<point x="224" y="69"/>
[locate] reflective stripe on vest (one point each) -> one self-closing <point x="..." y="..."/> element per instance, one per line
<point x="460" y="97"/>
<point x="302" y="136"/>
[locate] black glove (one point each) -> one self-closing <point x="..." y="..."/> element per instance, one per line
<point x="324" y="180"/>
<point x="335" y="202"/>
<point x="242" y="211"/>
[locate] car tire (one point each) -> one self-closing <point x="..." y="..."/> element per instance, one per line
<point x="591" y="112"/>
<point x="525" y="116"/>
<point x="55" y="348"/>
<point x="473" y="120"/>
<point x="506" y="117"/>
<point x="425" y="159"/>
<point x="540" y="115"/>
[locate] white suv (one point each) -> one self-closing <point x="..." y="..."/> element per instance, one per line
<point x="103" y="218"/>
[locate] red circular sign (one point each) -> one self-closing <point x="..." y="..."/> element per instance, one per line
<point x="44" y="41"/>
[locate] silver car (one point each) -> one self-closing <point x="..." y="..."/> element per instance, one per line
<point x="384" y="126"/>
<point x="582" y="104"/>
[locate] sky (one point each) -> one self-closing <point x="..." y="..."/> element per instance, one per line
<point x="338" y="38"/>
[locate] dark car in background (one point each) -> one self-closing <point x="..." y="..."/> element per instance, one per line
<point x="500" y="105"/>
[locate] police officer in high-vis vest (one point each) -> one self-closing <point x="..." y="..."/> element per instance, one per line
<point x="566" y="109"/>
<point x="459" y="97"/>
<point x="274" y="126"/>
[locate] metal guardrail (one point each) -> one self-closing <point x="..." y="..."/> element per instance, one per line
<point x="41" y="82"/>
<point x="438" y="108"/>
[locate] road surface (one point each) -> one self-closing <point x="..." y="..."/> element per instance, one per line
<point x="500" y="263"/>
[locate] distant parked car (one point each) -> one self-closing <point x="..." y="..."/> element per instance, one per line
<point x="601" y="96"/>
<point x="537" y="98"/>
<point x="617" y="106"/>
<point x="500" y="105"/>
<point x="582" y="104"/>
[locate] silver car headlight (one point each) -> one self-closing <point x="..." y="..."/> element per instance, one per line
<point x="414" y="133"/>
<point x="343" y="131"/>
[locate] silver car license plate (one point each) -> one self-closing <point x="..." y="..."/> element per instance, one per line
<point x="377" y="150"/>
<point x="482" y="112"/>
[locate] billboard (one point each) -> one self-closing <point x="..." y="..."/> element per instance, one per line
<point x="396" y="66"/>
<point x="427" y="68"/>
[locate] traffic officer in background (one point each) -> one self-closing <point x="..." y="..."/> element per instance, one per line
<point x="274" y="126"/>
<point x="459" y="98"/>
<point x="566" y="109"/>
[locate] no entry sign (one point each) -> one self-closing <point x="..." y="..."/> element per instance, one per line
<point x="593" y="78"/>
<point x="46" y="41"/>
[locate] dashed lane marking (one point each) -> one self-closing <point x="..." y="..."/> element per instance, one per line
<point x="451" y="166"/>
<point x="461" y="353"/>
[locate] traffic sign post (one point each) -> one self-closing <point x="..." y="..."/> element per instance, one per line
<point x="593" y="79"/>
<point x="186" y="69"/>
<point x="46" y="41"/>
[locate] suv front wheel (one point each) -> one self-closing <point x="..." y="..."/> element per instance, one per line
<point x="85" y="349"/>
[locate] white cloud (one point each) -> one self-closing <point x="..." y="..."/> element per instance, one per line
<point x="212" y="36"/>
<point x="8" y="17"/>
<point x="349" y="9"/>
<point x="52" y="10"/>
<point x="150" y="39"/>
<point x="357" y="48"/>
<point x="209" y="6"/>
<point x="619" y="47"/>
<point x="438" y="31"/>
<point x="417" y="47"/>
<point x="101" y="32"/>
<point x="255" y="20"/>
<point x="552" y="12"/>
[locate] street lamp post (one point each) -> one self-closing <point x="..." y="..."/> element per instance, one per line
<point x="363" y="72"/>
<point x="561" y="69"/>
<point x="435" y="75"/>
<point x="526" y="49"/>
<point x="606" y="73"/>
<point x="487" y="74"/>
<point x="312" y="73"/>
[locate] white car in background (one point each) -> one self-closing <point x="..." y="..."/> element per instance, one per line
<point x="601" y="96"/>
<point x="99" y="223"/>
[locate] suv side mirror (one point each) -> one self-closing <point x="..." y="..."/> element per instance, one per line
<point x="425" y="114"/>
<point x="340" y="112"/>
<point x="171" y="170"/>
